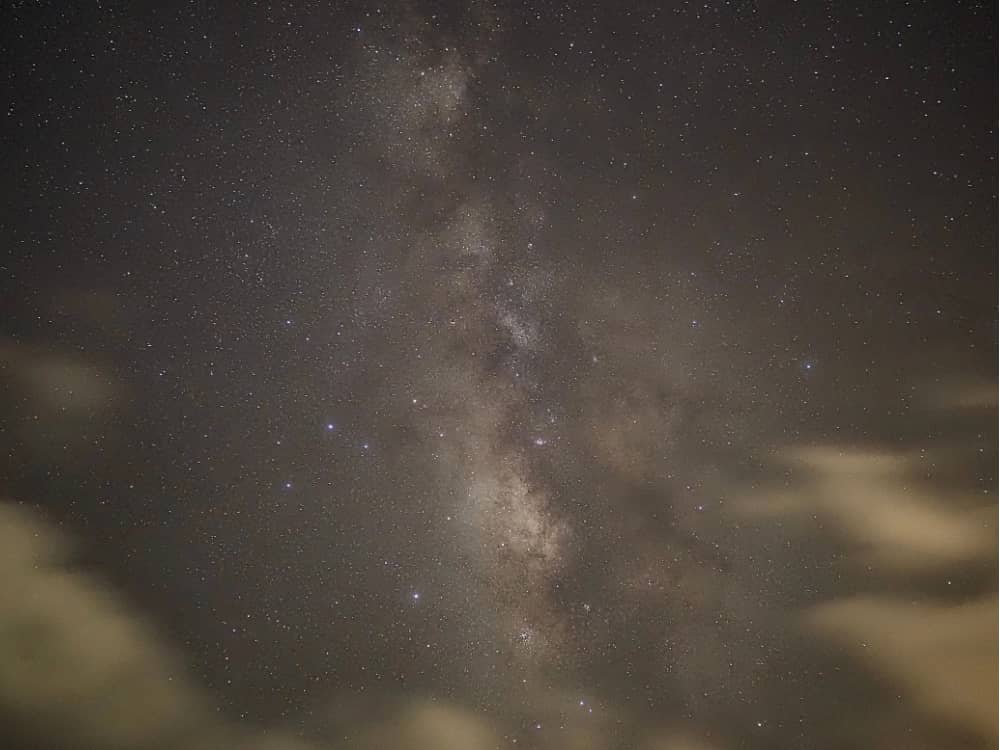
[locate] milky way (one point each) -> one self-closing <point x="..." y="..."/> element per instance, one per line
<point x="520" y="376"/>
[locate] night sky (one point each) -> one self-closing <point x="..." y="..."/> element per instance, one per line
<point x="611" y="376"/>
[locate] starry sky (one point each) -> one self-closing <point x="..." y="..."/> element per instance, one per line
<point x="498" y="375"/>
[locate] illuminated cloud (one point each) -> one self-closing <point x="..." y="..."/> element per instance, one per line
<point x="76" y="668"/>
<point x="80" y="670"/>
<point x="877" y="504"/>
<point x="430" y="726"/>
<point x="65" y="385"/>
<point x="944" y="656"/>
<point x="675" y="740"/>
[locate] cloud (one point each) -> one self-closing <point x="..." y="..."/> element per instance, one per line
<point x="875" y="503"/>
<point x="63" y="384"/>
<point x="940" y="654"/>
<point x="964" y="395"/>
<point x="431" y="726"/>
<point x="903" y="516"/>
<point x="76" y="669"/>
<point x="944" y="656"/>
<point x="674" y="740"/>
<point x="79" y="669"/>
